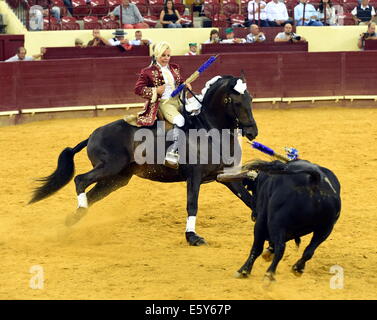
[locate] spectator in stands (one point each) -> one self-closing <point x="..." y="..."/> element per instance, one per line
<point x="139" y="40"/>
<point x="21" y="55"/>
<point x="229" y="33"/>
<point x="213" y="37"/>
<point x="306" y="15"/>
<point x="287" y="35"/>
<point x="325" y="6"/>
<point x="79" y="43"/>
<point x="277" y="14"/>
<point x="131" y="17"/>
<point x="363" y="13"/>
<point x="169" y="16"/>
<point x="98" y="40"/>
<point x="193" y="48"/>
<point x="255" y="35"/>
<point x="37" y="13"/>
<point x="369" y="35"/>
<point x="257" y="13"/>
<point x="118" y="38"/>
<point x="68" y="5"/>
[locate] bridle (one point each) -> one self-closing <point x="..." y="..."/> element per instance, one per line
<point x="229" y="101"/>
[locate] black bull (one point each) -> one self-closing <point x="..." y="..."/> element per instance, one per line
<point x="290" y="200"/>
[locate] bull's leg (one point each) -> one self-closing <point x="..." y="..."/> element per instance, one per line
<point x="317" y="239"/>
<point x="260" y="233"/>
<point x="193" y="187"/>
<point x="241" y="192"/>
<point x="278" y="239"/>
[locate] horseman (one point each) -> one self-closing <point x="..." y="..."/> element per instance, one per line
<point x="156" y="84"/>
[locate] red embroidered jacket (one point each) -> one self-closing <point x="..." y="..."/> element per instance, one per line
<point x="146" y="86"/>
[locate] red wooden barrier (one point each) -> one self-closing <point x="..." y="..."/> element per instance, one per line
<point x="81" y="82"/>
<point x="9" y="45"/>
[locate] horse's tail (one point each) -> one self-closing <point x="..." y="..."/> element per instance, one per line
<point x="62" y="174"/>
<point x="278" y="167"/>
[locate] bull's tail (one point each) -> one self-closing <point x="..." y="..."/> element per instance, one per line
<point x="62" y="174"/>
<point x="278" y="167"/>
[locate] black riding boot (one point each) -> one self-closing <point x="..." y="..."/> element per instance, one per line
<point x="172" y="156"/>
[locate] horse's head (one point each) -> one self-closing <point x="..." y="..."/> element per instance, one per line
<point x="229" y="94"/>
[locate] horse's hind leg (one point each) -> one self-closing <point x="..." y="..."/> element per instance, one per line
<point x="106" y="186"/>
<point x="101" y="171"/>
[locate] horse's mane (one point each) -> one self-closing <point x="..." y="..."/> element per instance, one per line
<point x="231" y="82"/>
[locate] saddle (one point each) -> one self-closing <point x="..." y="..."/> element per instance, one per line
<point x="131" y="120"/>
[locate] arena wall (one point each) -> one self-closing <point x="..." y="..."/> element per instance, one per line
<point x="103" y="81"/>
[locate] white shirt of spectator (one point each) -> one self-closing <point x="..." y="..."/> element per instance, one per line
<point x="190" y="53"/>
<point x="138" y="42"/>
<point x="232" y="40"/>
<point x="258" y="15"/>
<point x="169" y="81"/>
<point x="283" y="36"/>
<point x="250" y="38"/>
<point x="330" y="15"/>
<point x="276" y="11"/>
<point x="114" y="42"/>
<point x="354" y="11"/>
<point x="16" y="58"/>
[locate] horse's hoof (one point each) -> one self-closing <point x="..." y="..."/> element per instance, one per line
<point x="267" y="255"/>
<point x="268" y="279"/>
<point x="194" y="240"/>
<point x="241" y="274"/>
<point x="73" y="218"/>
<point x="296" y="271"/>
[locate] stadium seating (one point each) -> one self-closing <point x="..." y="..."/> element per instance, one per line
<point x="220" y="20"/>
<point x="151" y="20"/>
<point x="107" y="23"/>
<point x="99" y="8"/>
<point x="113" y="3"/>
<point x="211" y="8"/>
<point x="91" y="22"/>
<point x="179" y="6"/>
<point x="155" y="7"/>
<point x="230" y="7"/>
<point x="237" y="19"/>
<point x="70" y="23"/>
<point x="51" y="24"/>
<point x="80" y="8"/>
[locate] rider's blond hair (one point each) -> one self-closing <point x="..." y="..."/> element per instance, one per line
<point x="158" y="50"/>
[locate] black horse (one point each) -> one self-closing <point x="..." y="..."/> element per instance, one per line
<point x="111" y="150"/>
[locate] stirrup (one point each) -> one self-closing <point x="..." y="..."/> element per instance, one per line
<point x="172" y="160"/>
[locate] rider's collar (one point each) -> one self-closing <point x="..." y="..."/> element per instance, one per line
<point x="161" y="67"/>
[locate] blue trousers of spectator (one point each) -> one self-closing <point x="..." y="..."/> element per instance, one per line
<point x="274" y="24"/>
<point x="68" y="4"/>
<point x="311" y="23"/>
<point x="263" y="23"/>
<point x="174" y="25"/>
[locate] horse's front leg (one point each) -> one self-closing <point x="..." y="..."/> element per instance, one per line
<point x="193" y="187"/>
<point x="241" y="192"/>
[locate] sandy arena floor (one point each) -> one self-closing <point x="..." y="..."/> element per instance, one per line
<point x="131" y="244"/>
